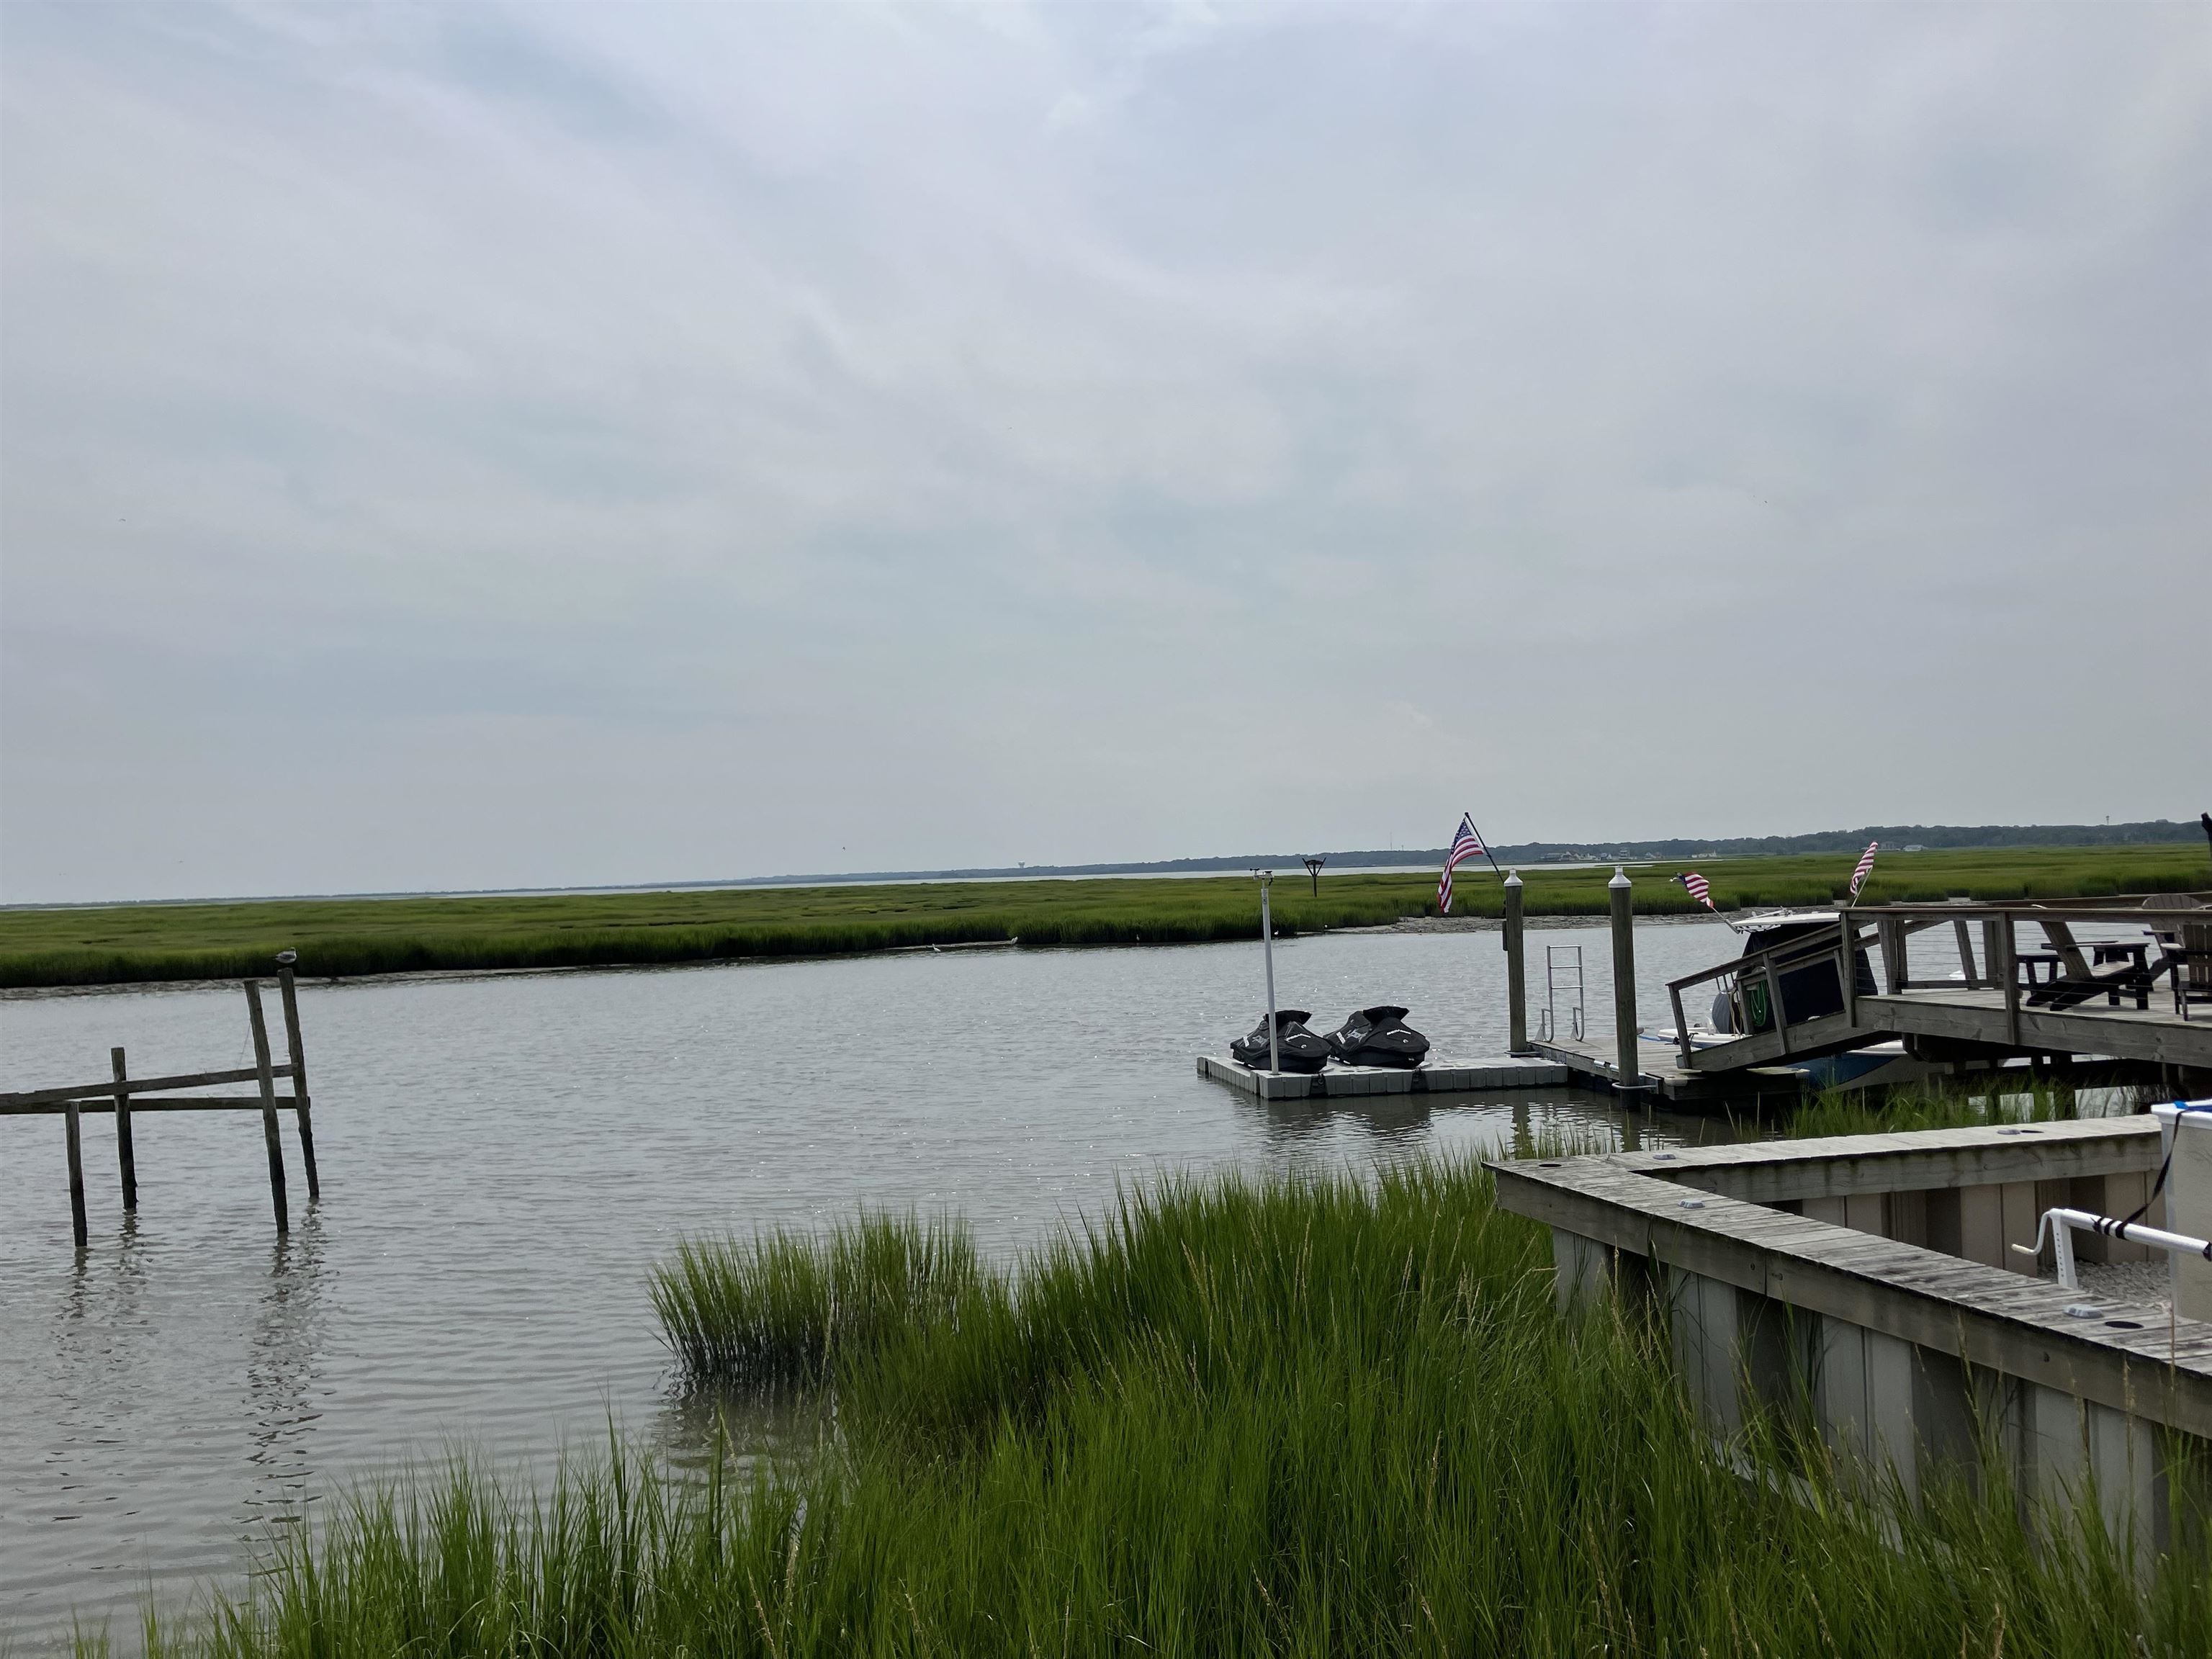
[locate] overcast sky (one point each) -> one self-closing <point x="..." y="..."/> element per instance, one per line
<point x="476" y="446"/>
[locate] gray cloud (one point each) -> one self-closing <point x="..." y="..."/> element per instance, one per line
<point x="483" y="446"/>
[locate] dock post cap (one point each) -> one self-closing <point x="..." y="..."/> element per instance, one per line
<point x="1512" y="877"/>
<point x="1620" y="877"/>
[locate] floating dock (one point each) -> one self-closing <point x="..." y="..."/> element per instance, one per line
<point x="1347" y="1082"/>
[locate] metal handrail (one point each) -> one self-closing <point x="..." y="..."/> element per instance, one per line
<point x="2059" y="1222"/>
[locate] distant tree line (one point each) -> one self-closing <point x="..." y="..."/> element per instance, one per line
<point x="1894" y="837"/>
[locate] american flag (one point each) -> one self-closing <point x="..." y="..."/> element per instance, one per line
<point x="1866" y="863"/>
<point x="1700" y="888"/>
<point x="1465" y="845"/>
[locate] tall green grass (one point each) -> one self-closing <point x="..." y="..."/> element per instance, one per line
<point x="2008" y="1096"/>
<point x="342" y="936"/>
<point x="779" y="1307"/>
<point x="1309" y="1417"/>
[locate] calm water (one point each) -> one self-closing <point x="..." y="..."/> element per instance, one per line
<point x="502" y="1158"/>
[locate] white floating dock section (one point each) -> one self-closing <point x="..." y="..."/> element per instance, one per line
<point x="1336" y="1082"/>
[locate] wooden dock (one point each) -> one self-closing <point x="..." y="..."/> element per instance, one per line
<point x="1349" y="1082"/>
<point x="1665" y="1081"/>
<point x="1872" y="1278"/>
<point x="2152" y="1011"/>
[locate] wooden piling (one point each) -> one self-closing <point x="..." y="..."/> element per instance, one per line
<point x="126" y="1157"/>
<point x="76" y="1140"/>
<point x="1629" y="1074"/>
<point x="265" y="1074"/>
<point x="1516" y="981"/>
<point x="298" y="1046"/>
<point x="1966" y="953"/>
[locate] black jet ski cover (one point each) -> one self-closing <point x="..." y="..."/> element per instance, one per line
<point x="1299" y="1048"/>
<point x="1378" y="1036"/>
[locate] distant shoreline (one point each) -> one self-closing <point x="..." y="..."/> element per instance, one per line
<point x="1547" y="856"/>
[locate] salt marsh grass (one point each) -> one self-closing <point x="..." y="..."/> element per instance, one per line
<point x="116" y="944"/>
<point x="782" y="1306"/>
<point x="2009" y="1097"/>
<point x="1299" y="1416"/>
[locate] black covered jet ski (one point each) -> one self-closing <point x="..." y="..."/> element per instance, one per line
<point x="1378" y="1036"/>
<point x="1297" y="1048"/>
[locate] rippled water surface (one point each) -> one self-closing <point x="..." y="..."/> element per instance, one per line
<point x="502" y="1159"/>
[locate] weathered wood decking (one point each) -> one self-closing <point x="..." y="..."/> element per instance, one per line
<point x="2155" y="1036"/>
<point x="2007" y="1321"/>
<point x="1777" y="1271"/>
<point x="1991" y="1005"/>
<point x="1590" y="1067"/>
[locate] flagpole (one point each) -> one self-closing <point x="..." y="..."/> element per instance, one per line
<point x="1486" y="852"/>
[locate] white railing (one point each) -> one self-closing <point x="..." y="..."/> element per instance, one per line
<point x="2060" y="1224"/>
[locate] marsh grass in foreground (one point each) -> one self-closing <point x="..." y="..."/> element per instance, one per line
<point x="1303" y="1417"/>
<point x="775" y="1309"/>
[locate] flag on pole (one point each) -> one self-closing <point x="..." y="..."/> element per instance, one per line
<point x="1465" y="845"/>
<point x="1866" y="863"/>
<point x="1700" y="888"/>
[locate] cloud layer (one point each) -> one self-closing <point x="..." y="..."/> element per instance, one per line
<point x="470" y="447"/>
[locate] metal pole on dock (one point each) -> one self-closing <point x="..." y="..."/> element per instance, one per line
<point x="126" y="1157"/>
<point x="1517" y="984"/>
<point x="300" y="1106"/>
<point x="268" y="1080"/>
<point x="1268" y="949"/>
<point x="1629" y="1075"/>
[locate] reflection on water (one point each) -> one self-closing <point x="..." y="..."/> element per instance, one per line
<point x="504" y="1158"/>
<point x="283" y="1367"/>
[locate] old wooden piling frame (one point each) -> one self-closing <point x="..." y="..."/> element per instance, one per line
<point x="125" y="1096"/>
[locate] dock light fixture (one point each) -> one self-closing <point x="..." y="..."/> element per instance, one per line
<point x="288" y="958"/>
<point x="1312" y="863"/>
<point x="1266" y="878"/>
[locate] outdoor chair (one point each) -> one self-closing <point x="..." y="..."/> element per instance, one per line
<point x="2184" y="944"/>
<point x="2127" y="975"/>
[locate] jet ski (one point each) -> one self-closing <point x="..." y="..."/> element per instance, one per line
<point x="1297" y="1049"/>
<point x="1378" y="1036"/>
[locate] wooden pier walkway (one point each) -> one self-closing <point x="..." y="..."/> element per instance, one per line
<point x="2143" y="996"/>
<point x="1589" y="1066"/>
<point x="1986" y="1018"/>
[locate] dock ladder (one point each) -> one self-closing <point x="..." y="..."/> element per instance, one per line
<point x="1563" y="977"/>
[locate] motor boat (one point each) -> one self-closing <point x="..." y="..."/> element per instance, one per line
<point x="1802" y="943"/>
<point x="1296" y="1047"/>
<point x="1378" y="1036"/>
<point x="1802" y="947"/>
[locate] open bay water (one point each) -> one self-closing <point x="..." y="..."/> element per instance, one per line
<point x="504" y="1158"/>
